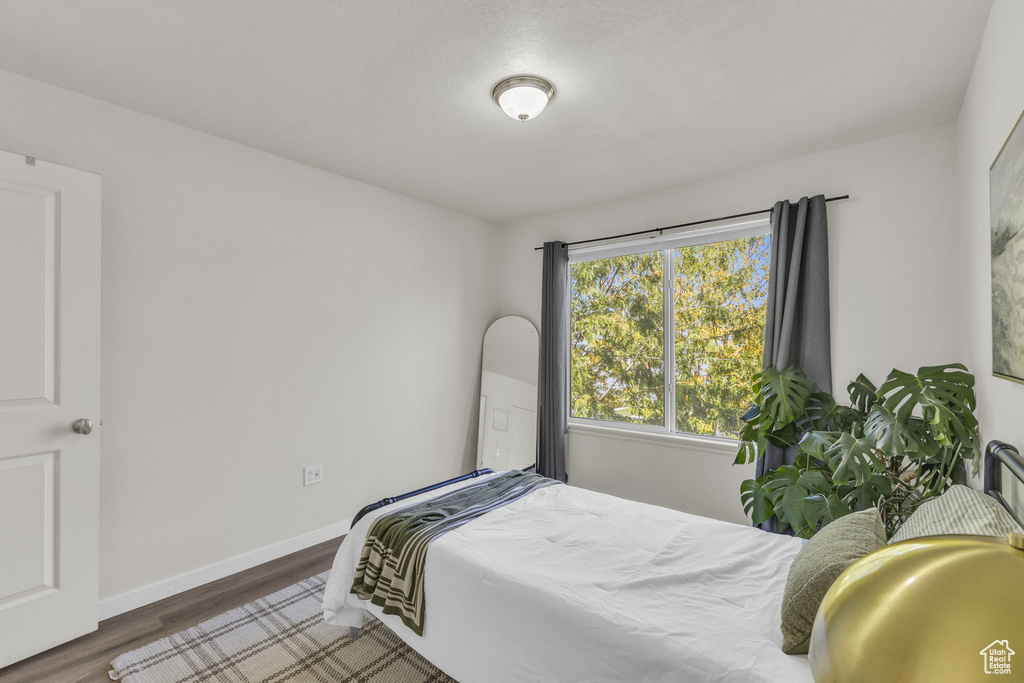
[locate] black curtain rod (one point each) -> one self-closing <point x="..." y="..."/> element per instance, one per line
<point x="681" y="225"/>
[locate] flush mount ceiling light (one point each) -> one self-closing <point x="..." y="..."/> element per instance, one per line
<point x="523" y="97"/>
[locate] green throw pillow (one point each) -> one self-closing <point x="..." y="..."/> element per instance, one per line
<point x="816" y="567"/>
<point x="960" y="510"/>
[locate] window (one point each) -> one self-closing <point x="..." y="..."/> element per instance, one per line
<point x="702" y="297"/>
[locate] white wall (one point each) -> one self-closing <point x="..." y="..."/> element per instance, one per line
<point x="994" y="101"/>
<point x="258" y="316"/>
<point x="895" y="289"/>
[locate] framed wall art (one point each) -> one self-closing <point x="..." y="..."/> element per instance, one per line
<point x="1006" y="196"/>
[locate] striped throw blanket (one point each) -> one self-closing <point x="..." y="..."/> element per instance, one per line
<point x="390" y="569"/>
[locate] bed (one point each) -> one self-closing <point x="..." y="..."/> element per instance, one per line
<point x="568" y="584"/>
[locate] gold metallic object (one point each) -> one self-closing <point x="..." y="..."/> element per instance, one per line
<point x="927" y="610"/>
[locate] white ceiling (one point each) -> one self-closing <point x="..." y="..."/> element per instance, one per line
<point x="396" y="93"/>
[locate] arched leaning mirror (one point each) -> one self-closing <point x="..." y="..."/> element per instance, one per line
<point x="508" y="396"/>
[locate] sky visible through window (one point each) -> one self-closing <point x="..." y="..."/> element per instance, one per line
<point x="617" y="339"/>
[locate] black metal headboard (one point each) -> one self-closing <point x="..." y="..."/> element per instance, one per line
<point x="426" y="489"/>
<point x="999" y="453"/>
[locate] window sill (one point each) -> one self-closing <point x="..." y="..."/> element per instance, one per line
<point x="707" y="444"/>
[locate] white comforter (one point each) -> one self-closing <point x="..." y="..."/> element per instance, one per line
<point x="567" y="584"/>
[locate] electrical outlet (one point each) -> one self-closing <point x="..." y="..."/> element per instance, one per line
<point x="312" y="475"/>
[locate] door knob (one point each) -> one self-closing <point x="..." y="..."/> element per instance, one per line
<point x="82" y="425"/>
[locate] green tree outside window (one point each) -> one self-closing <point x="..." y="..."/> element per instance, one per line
<point x="617" y="339"/>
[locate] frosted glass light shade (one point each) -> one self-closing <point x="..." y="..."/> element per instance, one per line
<point x="523" y="102"/>
<point x="523" y="97"/>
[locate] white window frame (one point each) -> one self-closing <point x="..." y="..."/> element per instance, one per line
<point x="666" y="244"/>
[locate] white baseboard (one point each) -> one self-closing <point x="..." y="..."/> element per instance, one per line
<point x="133" y="599"/>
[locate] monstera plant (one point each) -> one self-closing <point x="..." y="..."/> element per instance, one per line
<point x="892" y="448"/>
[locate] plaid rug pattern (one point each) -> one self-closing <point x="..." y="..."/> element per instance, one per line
<point x="281" y="637"/>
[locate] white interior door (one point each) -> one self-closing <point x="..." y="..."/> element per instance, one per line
<point x="49" y="377"/>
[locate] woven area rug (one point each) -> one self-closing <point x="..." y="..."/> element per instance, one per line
<point x="281" y="637"/>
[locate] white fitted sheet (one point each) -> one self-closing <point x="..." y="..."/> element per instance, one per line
<point x="567" y="584"/>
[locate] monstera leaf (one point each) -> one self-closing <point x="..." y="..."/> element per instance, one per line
<point x="752" y="437"/>
<point x="816" y="444"/>
<point x="776" y="420"/>
<point x="789" y="487"/>
<point x="789" y="509"/>
<point x="751" y="445"/>
<point x="783" y="395"/>
<point x="853" y="461"/>
<point x="863" y="394"/>
<point x="951" y="384"/>
<point x="822" y="509"/>
<point x="785" y="436"/>
<point x="890" y="435"/>
<point x="823" y="414"/>
<point x="943" y="397"/>
<point x="870" y="493"/>
<point x="787" y="492"/>
<point x="757" y="500"/>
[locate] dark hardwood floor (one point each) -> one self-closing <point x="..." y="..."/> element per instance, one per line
<point x="88" y="658"/>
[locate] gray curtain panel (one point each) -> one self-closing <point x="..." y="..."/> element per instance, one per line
<point x="797" y="325"/>
<point x="553" y="386"/>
